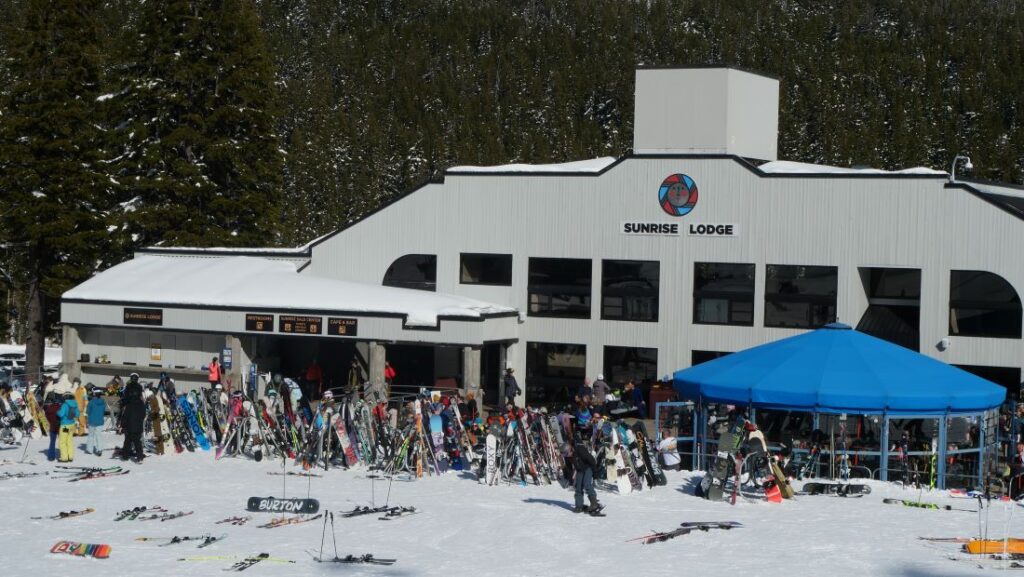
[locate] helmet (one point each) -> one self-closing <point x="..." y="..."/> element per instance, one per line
<point x="134" y="376"/>
<point x="600" y="376"/>
<point x="236" y="395"/>
<point x="328" y="396"/>
<point x="163" y="375"/>
<point x="217" y="387"/>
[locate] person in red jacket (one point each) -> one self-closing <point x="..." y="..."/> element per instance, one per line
<point x="389" y="373"/>
<point x="314" y="380"/>
<point x="214" y="376"/>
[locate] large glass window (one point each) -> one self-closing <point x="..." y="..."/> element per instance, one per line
<point x="894" y="305"/>
<point x="800" y="296"/>
<point x="629" y="290"/>
<point x="698" y="357"/>
<point x="492" y="269"/>
<point x="723" y="294"/>
<point x="637" y="364"/>
<point x="413" y="271"/>
<point x="983" y="304"/>
<point x="554" y="371"/>
<point x="560" y="287"/>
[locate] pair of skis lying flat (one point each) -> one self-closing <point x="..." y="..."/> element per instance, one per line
<point x="685" y="529"/>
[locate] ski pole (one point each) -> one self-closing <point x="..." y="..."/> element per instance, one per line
<point x="334" y="537"/>
<point x="322" y="535"/>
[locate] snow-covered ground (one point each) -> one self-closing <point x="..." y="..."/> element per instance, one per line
<point x="466" y="528"/>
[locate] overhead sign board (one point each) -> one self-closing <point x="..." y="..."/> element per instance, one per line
<point x="151" y="317"/>
<point x="299" y="324"/>
<point x="342" y="327"/>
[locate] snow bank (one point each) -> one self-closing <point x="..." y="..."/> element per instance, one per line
<point x="466" y="529"/>
<point x="259" y="283"/>
<point x="789" y="167"/>
<point x="592" y="165"/>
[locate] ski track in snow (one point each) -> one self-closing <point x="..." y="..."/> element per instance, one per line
<point x="468" y="529"/>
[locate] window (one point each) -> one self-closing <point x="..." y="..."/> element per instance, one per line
<point x="559" y="287"/>
<point x="554" y="371"/>
<point x="800" y="296"/>
<point x="622" y="364"/>
<point x="492" y="269"/>
<point x="983" y="304"/>
<point x="723" y="294"/>
<point x="698" y="357"/>
<point x="894" y="305"/>
<point x="629" y="290"/>
<point x="413" y="271"/>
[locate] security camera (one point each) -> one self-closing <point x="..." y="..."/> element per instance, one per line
<point x="943" y="344"/>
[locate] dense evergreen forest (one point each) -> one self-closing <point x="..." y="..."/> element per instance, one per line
<point x="270" y="122"/>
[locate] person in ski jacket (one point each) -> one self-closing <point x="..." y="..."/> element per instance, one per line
<point x="214" y="376"/>
<point x="583" y="461"/>
<point x="314" y="379"/>
<point x="133" y="418"/>
<point x="96" y="414"/>
<point x="68" y="415"/>
<point x="601" y="390"/>
<point x="133" y="388"/>
<point x="584" y="391"/>
<point x="389" y="373"/>
<point x="50" y="407"/>
<point x="512" y="389"/>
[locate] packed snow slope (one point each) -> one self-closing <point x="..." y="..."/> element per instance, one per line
<point x="468" y="529"/>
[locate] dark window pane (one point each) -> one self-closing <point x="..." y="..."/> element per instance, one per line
<point x="723" y="294"/>
<point x="413" y="271"/>
<point x="983" y="304"/>
<point x="559" y="287"/>
<point x="698" y="357"/>
<point x="629" y="290"/>
<point x="622" y="364"/>
<point x="554" y="371"/>
<point x="800" y="296"/>
<point x="895" y="283"/>
<point x="492" y="269"/>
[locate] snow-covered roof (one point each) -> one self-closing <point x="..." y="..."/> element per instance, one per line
<point x="790" y="167"/>
<point x="592" y="165"/>
<point x="260" y="283"/>
<point x="220" y="250"/>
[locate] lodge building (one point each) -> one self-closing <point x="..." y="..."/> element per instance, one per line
<point x="698" y="244"/>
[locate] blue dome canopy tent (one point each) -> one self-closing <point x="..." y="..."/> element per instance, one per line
<point x="838" y="370"/>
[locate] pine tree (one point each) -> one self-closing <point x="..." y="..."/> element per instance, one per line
<point x="51" y="150"/>
<point x="201" y="161"/>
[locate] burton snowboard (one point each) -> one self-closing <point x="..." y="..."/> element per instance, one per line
<point x="275" y="505"/>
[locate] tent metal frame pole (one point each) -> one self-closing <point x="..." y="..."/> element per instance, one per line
<point x="883" y="467"/>
<point x="697" y="459"/>
<point x="981" y="447"/>
<point x="941" y="469"/>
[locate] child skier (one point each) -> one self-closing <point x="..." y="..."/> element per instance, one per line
<point x="96" y="413"/>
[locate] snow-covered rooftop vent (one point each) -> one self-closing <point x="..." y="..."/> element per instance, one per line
<point x="706" y="111"/>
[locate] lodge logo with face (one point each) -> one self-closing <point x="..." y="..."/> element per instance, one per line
<point x="678" y="194"/>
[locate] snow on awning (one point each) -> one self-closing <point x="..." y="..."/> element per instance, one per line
<point x="790" y="167"/>
<point x="260" y="283"/>
<point x="592" y="165"/>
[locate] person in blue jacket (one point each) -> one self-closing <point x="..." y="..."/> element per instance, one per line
<point x="96" y="414"/>
<point x="68" y="415"/>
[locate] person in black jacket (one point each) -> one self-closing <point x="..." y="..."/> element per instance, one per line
<point x="584" y="462"/>
<point x="133" y="417"/>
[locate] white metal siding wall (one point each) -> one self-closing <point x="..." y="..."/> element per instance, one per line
<point x="843" y="222"/>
